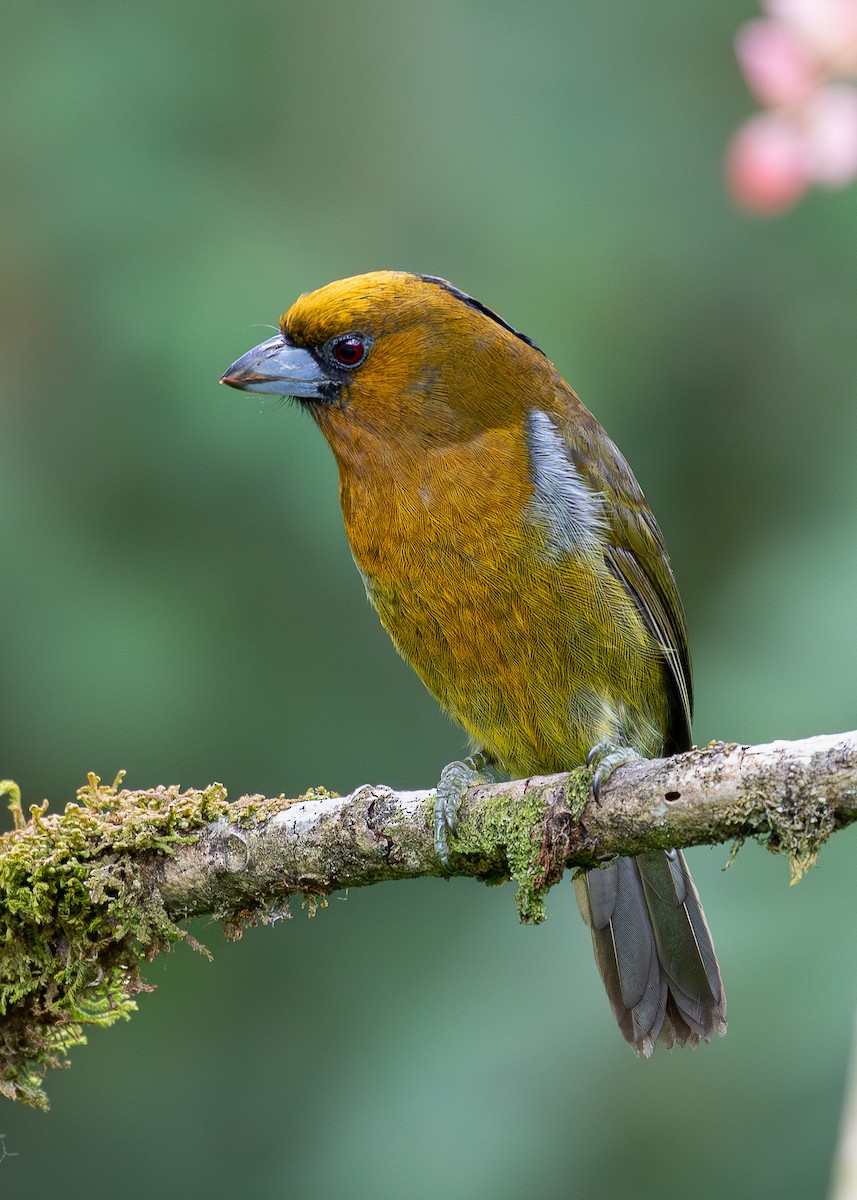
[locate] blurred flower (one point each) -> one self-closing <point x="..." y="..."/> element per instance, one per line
<point x="776" y="65"/>
<point x="792" y="60"/>
<point x="831" y="135"/>
<point x="766" y="164"/>
<point x="827" y="28"/>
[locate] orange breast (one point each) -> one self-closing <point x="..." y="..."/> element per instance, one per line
<point x="538" y="658"/>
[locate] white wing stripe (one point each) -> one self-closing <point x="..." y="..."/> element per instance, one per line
<point x="569" y="512"/>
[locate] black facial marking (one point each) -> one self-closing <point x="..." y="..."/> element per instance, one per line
<point x="329" y="391"/>
<point x="480" y="307"/>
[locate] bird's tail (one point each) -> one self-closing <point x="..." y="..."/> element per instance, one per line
<point x="654" y="950"/>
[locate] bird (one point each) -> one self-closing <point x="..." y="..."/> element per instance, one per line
<point x="510" y="553"/>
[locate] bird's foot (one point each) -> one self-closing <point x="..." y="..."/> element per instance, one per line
<point x="604" y="758"/>
<point x="455" y="779"/>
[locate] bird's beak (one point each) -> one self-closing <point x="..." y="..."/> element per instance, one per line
<point x="278" y="368"/>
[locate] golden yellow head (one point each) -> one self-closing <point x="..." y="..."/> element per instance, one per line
<point x="395" y="355"/>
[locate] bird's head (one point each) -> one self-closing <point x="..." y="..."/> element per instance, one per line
<point x="398" y="357"/>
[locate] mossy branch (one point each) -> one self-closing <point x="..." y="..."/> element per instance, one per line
<point x="91" y="893"/>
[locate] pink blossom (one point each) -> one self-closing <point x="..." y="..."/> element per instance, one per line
<point x="794" y="60"/>
<point x="831" y="135"/>
<point x="766" y="164"/>
<point x="827" y="28"/>
<point x="776" y="64"/>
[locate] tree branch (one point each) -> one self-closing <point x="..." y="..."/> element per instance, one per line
<point x="93" y="891"/>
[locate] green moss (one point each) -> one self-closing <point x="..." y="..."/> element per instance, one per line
<point x="77" y="919"/>
<point x="578" y="792"/>
<point x="252" y="810"/>
<point x="519" y="830"/>
<point x="800" y="818"/>
<point x="80" y="917"/>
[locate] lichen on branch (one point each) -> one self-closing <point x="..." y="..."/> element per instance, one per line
<point x="91" y="893"/>
<point x="80" y="916"/>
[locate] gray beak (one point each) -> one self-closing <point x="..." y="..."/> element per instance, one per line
<point x="278" y="368"/>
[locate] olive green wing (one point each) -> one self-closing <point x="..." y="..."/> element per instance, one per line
<point x="636" y="554"/>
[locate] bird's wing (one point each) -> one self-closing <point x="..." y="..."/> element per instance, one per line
<point x="636" y="554"/>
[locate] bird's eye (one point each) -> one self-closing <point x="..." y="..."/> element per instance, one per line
<point x="349" y="351"/>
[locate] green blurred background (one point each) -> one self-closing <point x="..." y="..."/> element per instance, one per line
<point x="179" y="600"/>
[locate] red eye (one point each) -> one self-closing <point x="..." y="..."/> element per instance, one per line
<point x="349" y="351"/>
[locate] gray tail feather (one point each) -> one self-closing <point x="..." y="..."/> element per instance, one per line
<point x="654" y="950"/>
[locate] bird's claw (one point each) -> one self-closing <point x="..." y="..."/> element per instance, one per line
<point x="455" y="778"/>
<point x="604" y="758"/>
